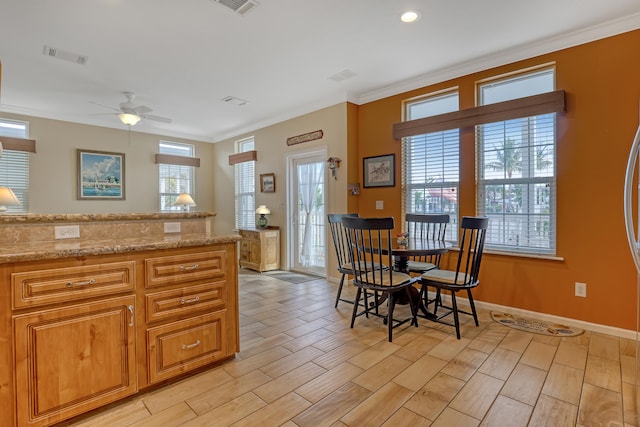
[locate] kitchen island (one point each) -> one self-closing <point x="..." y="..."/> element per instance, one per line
<point x="95" y="308"/>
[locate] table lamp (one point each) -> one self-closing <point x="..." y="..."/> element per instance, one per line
<point x="185" y="200"/>
<point x="263" y="210"/>
<point x="7" y="198"/>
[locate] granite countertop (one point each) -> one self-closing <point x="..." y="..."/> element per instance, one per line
<point x="78" y="247"/>
<point x="57" y="218"/>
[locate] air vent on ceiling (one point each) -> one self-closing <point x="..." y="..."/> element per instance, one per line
<point x="241" y="7"/>
<point x="64" y="55"/>
<point x="234" y="100"/>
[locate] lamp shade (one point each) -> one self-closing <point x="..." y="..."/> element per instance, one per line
<point x="7" y="198"/>
<point x="129" y="119"/>
<point x="263" y="210"/>
<point x="185" y="200"/>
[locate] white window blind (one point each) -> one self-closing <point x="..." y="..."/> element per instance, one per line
<point x="175" y="179"/>
<point x="516" y="165"/>
<point x="245" y="187"/>
<point x="431" y="163"/>
<point x="14" y="165"/>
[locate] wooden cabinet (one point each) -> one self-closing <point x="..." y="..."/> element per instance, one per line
<point x="196" y="301"/>
<point x="71" y="360"/>
<point x="260" y="249"/>
<point x="81" y="332"/>
<point x="74" y="341"/>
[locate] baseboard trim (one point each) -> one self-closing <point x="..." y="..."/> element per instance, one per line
<point x="587" y="326"/>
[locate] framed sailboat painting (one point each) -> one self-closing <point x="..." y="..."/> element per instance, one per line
<point x="100" y="175"/>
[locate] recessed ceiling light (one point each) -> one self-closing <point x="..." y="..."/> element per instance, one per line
<point x="410" y="16"/>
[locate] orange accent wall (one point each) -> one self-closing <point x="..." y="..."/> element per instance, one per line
<point x="602" y="85"/>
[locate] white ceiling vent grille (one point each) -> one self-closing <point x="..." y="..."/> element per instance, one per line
<point x="241" y="7"/>
<point x="64" y="55"/>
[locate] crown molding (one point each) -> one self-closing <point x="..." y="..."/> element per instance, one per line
<point x="513" y="54"/>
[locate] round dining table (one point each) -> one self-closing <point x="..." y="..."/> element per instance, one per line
<point x="417" y="247"/>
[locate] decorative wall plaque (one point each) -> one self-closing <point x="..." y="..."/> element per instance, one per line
<point x="305" y="137"/>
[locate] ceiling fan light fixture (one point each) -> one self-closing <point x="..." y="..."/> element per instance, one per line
<point x="129" y="119"/>
<point x="410" y="16"/>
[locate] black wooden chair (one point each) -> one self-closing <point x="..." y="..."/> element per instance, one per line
<point x="425" y="227"/>
<point x="369" y="242"/>
<point x="339" y="237"/>
<point x="464" y="277"/>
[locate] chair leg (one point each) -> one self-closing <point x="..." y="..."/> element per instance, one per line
<point x="340" y="289"/>
<point x="392" y="303"/>
<point x="473" y="307"/>
<point x="456" y="320"/>
<point x="412" y="305"/>
<point x="356" y="303"/>
<point x="438" y="300"/>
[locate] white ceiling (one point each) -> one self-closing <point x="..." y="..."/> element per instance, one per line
<point x="181" y="57"/>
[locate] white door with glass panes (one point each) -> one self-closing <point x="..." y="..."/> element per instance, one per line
<point x="306" y="211"/>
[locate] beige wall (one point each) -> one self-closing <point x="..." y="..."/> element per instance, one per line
<point x="272" y="152"/>
<point x="53" y="171"/>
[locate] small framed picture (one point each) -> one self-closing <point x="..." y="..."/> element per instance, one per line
<point x="100" y="175"/>
<point x="379" y="171"/>
<point x="267" y="183"/>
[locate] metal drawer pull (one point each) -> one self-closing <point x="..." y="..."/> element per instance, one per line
<point x="131" y="317"/>
<point x="88" y="282"/>
<point x="193" y="267"/>
<point x="189" y="301"/>
<point x="190" y="346"/>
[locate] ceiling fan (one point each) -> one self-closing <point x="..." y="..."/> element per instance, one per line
<point x="130" y="114"/>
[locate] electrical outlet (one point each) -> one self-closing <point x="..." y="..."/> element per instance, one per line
<point x="171" y="227"/>
<point x="581" y="289"/>
<point x="67" y="231"/>
<point x="379" y="205"/>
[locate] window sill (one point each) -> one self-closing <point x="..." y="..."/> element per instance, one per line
<point x="520" y="255"/>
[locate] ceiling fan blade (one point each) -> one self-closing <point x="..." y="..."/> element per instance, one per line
<point x="156" y="118"/>
<point x="105" y="106"/>
<point x="141" y="109"/>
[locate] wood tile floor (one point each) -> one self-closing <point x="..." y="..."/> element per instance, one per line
<point x="301" y="365"/>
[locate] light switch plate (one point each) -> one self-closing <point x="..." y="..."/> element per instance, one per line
<point x="171" y="227"/>
<point x="379" y="205"/>
<point x="67" y="231"/>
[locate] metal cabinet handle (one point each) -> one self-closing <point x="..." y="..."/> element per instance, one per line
<point x="190" y="346"/>
<point x="131" y="315"/>
<point x="189" y="301"/>
<point x="88" y="282"/>
<point x="193" y="267"/>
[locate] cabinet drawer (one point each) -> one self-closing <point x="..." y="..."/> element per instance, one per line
<point x="249" y="234"/>
<point x="184" y="345"/>
<point x="40" y="287"/>
<point x="179" y="269"/>
<point x="185" y="301"/>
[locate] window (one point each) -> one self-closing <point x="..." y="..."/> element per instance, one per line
<point x="14" y="165"/>
<point x="430" y="163"/>
<point x="175" y="179"/>
<point x="516" y="169"/>
<point x="245" y="187"/>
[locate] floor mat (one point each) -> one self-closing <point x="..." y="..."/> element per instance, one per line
<point x="290" y="276"/>
<point x="536" y="326"/>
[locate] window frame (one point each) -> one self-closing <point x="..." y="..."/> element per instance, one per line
<point x="14" y="165"/>
<point x="165" y="171"/>
<point x="447" y="185"/>
<point x="506" y="229"/>
<point x="245" y="187"/>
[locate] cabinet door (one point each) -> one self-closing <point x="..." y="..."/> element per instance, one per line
<point x="255" y="254"/>
<point x="74" y="359"/>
